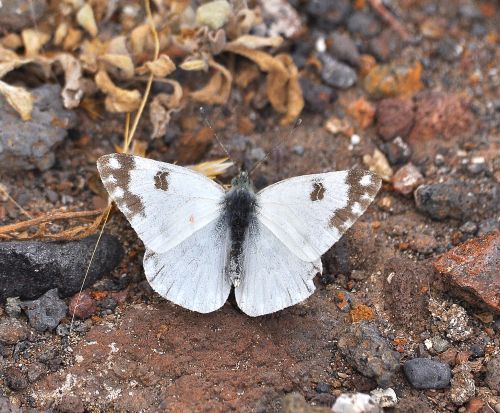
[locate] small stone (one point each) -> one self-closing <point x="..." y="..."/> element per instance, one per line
<point x="355" y="403"/>
<point x="472" y="270"/>
<point x="12" y="330"/>
<point x="397" y="151"/>
<point x="448" y="49"/>
<point x="82" y="305"/>
<point x="343" y="48"/>
<point x="38" y="266"/>
<point x="362" y="111"/>
<point x="364" y="23"/>
<point x="477" y="350"/>
<point x="16" y="15"/>
<point x="452" y="199"/>
<point x="257" y="154"/>
<point x="213" y="14"/>
<point x="476" y="165"/>
<point x="370" y="353"/>
<point x="450" y="319"/>
<point x="35" y="371"/>
<point x="26" y="145"/>
<point x="378" y="163"/>
<point x="107" y="303"/>
<point x="295" y="403"/>
<point x="475" y="406"/>
<point x="13" y="307"/>
<point x="323" y="387"/>
<point x="384" y="397"/>
<point x="406" y="179"/>
<point x="329" y="12"/>
<point x="493" y="374"/>
<point x="15" y="379"/>
<point x="439" y="344"/>
<point x="337" y="74"/>
<point x="70" y="404"/>
<point x="385" y="45"/>
<point x="317" y="96"/>
<point x="433" y="27"/>
<point x="395" y="118"/>
<point x="46" y="312"/>
<point x="463" y="387"/>
<point x="470" y="227"/>
<point x="393" y="80"/>
<point x="425" y="373"/>
<point x="488" y="225"/>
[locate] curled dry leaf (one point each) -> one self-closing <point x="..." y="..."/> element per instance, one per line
<point x="194" y="64"/>
<point x="72" y="92"/>
<point x="117" y="99"/>
<point x="139" y="38"/>
<point x="19" y="98"/>
<point x="11" y="41"/>
<point x="217" y="90"/>
<point x="162" y="107"/>
<point x="90" y="52"/>
<point x="212" y="169"/>
<point x="294" y="98"/>
<point x="256" y="42"/>
<point x="121" y="62"/>
<point x="160" y="67"/>
<point x="60" y="34"/>
<point x="33" y="41"/>
<point x="85" y="18"/>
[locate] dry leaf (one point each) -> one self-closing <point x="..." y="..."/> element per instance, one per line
<point x="193" y="64"/>
<point x="85" y="18"/>
<point x="61" y="33"/>
<point x="7" y="66"/>
<point x="91" y="50"/>
<point x="160" y="67"/>
<point x="295" y="100"/>
<point x="72" y="92"/>
<point x="119" y="61"/>
<point x="212" y="169"/>
<point x="256" y="42"/>
<point x="72" y="39"/>
<point x="117" y="99"/>
<point x="217" y="90"/>
<point x="139" y="38"/>
<point x="33" y="41"/>
<point x="11" y="41"/>
<point x="162" y="107"/>
<point x="19" y="98"/>
<point x="138" y="148"/>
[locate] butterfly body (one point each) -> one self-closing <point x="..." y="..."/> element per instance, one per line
<point x="201" y="240"/>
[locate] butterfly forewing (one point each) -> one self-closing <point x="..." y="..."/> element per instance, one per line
<point x="310" y="213"/>
<point x="164" y="203"/>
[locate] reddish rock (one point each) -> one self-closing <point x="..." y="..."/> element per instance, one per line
<point x="393" y="80"/>
<point x="474" y="406"/>
<point x="473" y="269"/>
<point x="82" y="305"/>
<point x="407" y="178"/>
<point x="394" y="118"/>
<point x="362" y="111"/>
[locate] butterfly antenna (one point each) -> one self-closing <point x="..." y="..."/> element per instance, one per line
<point x="288" y="136"/>
<point x="207" y="122"/>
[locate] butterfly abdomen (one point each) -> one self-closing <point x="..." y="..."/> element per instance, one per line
<point x="240" y="205"/>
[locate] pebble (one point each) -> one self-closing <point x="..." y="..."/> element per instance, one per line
<point x="329" y="12"/>
<point x="406" y="179"/>
<point x="46" y="312"/>
<point x="370" y="353"/>
<point x="70" y="403"/>
<point x="364" y="23"/>
<point x="448" y="49"/>
<point x="337" y="74"/>
<point x="471" y="269"/>
<point x="393" y="80"/>
<point x="493" y="374"/>
<point x="213" y="14"/>
<point x="469" y="227"/>
<point x="395" y="117"/>
<point x="355" y="403"/>
<point x="26" y="145"/>
<point x="477" y="350"/>
<point x="107" y="303"/>
<point x="488" y="225"/>
<point x="463" y="387"/>
<point x="397" y="151"/>
<point x="13" y="307"/>
<point x="323" y="387"/>
<point x="450" y="319"/>
<point x="38" y="266"/>
<point x="16" y="15"/>
<point x="423" y="373"/>
<point x="295" y="403"/>
<point x="317" y="96"/>
<point x="385" y="45"/>
<point x="439" y="344"/>
<point x="384" y="397"/>
<point x="82" y="305"/>
<point x="343" y="48"/>
<point x="378" y="163"/>
<point x="12" y="330"/>
<point x="35" y="371"/>
<point x="452" y="199"/>
<point x="15" y="379"/>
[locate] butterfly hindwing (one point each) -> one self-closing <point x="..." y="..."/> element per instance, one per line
<point x="273" y="277"/>
<point x="164" y="203"/>
<point x="309" y="213"/>
<point x="192" y="273"/>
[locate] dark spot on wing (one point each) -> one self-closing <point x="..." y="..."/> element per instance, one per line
<point x="318" y="192"/>
<point x="131" y="202"/>
<point x="363" y="195"/>
<point x="161" y="181"/>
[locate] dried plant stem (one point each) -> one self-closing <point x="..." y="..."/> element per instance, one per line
<point x="5" y="193"/>
<point x="390" y="19"/>
<point x="46" y="218"/>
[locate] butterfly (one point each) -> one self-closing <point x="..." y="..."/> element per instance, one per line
<point x="202" y="240"/>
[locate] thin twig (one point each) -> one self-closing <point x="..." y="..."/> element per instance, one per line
<point x="390" y="19"/>
<point x="46" y="218"/>
<point x="5" y="193"/>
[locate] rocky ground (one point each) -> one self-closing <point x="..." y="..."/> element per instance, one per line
<point x="406" y="315"/>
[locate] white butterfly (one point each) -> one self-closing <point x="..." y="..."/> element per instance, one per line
<point x="201" y="240"/>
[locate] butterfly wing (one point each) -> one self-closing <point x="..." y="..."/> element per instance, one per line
<point x="165" y="203"/>
<point x="309" y="213"/>
<point x="192" y="273"/>
<point x="274" y="278"/>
